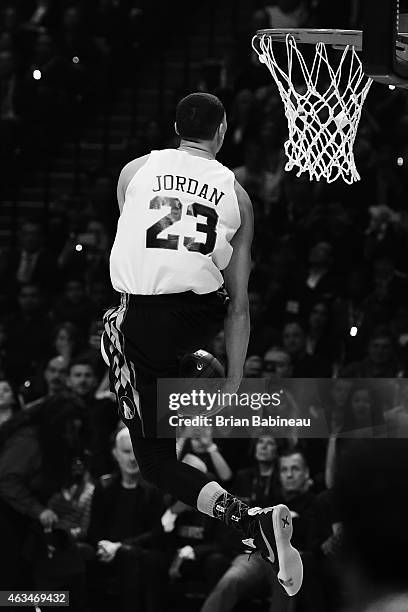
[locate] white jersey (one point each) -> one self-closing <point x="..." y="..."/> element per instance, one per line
<point x="179" y="215"/>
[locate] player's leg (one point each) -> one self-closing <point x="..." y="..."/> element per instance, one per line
<point x="144" y="338"/>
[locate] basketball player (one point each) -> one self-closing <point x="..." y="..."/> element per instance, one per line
<point x="183" y="219"/>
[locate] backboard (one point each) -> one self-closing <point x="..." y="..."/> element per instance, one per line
<point x="385" y="41"/>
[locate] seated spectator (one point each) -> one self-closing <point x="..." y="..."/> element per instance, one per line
<point x="199" y="442"/>
<point x="363" y="416"/>
<point x="319" y="282"/>
<point x="29" y="340"/>
<point x="51" y="382"/>
<point x="67" y="341"/>
<point x="74" y="306"/>
<point x="63" y="567"/>
<point x="253" y="367"/>
<point x="320" y="339"/>
<point x="100" y="414"/>
<point x="304" y="365"/>
<point x="381" y="361"/>
<point x="32" y="263"/>
<point x="123" y="529"/>
<point x="39" y="449"/>
<point x="9" y="401"/>
<point x="336" y="402"/>
<point x="277" y="363"/>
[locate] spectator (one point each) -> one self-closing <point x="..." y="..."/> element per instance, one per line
<point x="32" y="263"/>
<point x="336" y="403"/>
<point x="74" y="306"/>
<point x="124" y="526"/>
<point x="67" y="341"/>
<point x="277" y="363"/>
<point x="100" y="414"/>
<point x="39" y="450"/>
<point x="9" y="401"/>
<point x="320" y="282"/>
<point x="320" y="339"/>
<point x="53" y="382"/>
<point x="381" y="361"/>
<point x="304" y="365"/>
<point x="363" y="416"/>
<point x="199" y="442"/>
<point x="253" y="367"/>
<point x="28" y="334"/>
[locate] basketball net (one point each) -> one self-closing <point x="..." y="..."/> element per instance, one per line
<point x="322" y="124"/>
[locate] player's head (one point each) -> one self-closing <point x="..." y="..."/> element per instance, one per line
<point x="200" y="117"/>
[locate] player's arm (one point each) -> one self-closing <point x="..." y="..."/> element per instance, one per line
<point x="236" y="276"/>
<point x="126" y="175"/>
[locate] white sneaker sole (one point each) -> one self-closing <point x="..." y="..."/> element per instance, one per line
<point x="290" y="573"/>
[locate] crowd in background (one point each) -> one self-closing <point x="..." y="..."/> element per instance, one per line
<point x="328" y="299"/>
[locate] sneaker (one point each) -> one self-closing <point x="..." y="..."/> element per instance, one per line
<point x="270" y="531"/>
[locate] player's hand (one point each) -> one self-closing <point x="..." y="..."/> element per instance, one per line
<point x="48" y="519"/>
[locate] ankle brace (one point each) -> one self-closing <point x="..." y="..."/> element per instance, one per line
<point x="231" y="511"/>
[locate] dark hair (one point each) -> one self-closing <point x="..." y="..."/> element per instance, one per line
<point x="289" y="452"/>
<point x="83" y="361"/>
<point x="198" y="116"/>
<point x="376" y="414"/>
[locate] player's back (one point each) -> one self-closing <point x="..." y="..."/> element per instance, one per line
<point x="179" y="215"/>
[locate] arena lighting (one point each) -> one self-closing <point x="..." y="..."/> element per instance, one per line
<point x="75" y="59"/>
<point x="392" y="87"/>
<point x="353" y="331"/>
<point x="400" y="161"/>
<point x="78" y="247"/>
<point x="37" y="75"/>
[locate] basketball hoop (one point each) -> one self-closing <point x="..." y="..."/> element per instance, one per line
<point x="322" y="97"/>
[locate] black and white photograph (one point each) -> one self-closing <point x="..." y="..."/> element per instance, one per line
<point x="204" y="305"/>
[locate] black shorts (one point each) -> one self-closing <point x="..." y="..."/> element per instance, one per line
<point x="144" y="339"/>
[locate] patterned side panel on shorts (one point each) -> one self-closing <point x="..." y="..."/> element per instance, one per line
<point x="122" y="372"/>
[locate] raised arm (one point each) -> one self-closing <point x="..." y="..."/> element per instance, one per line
<point x="236" y="276"/>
